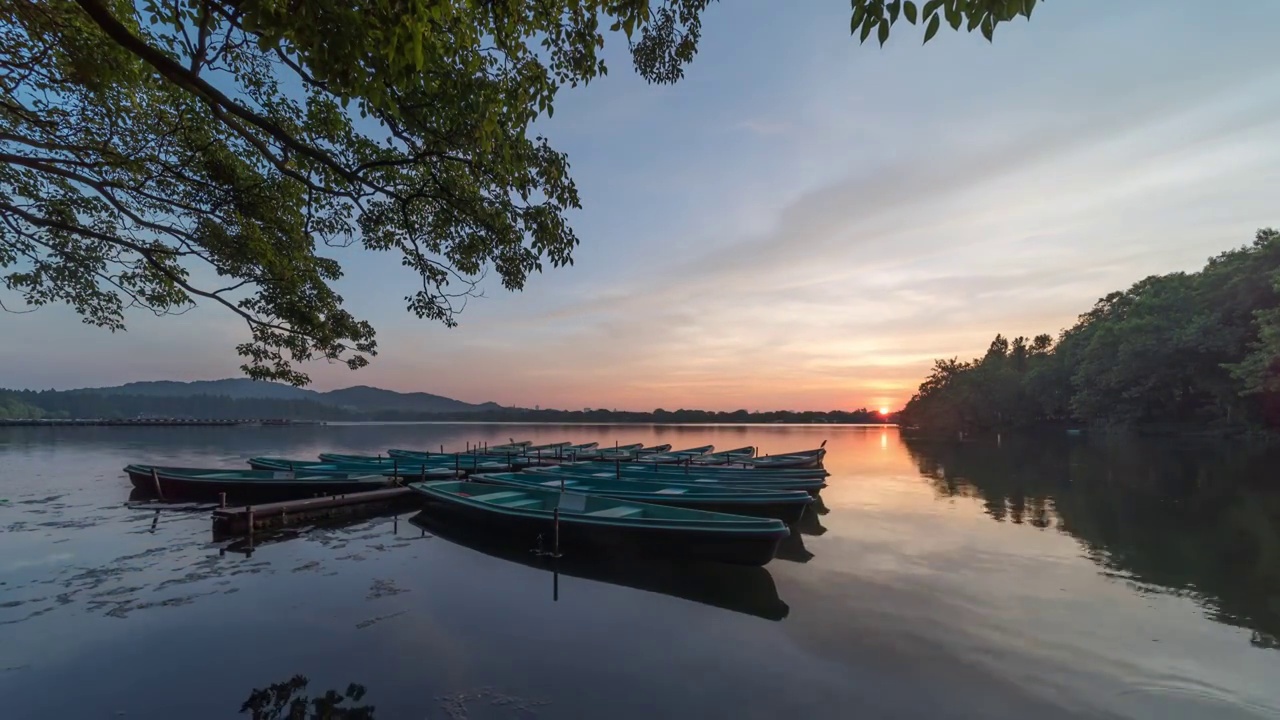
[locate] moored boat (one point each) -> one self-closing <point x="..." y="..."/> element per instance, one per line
<point x="244" y="485"/>
<point x="759" y="481"/>
<point x="597" y="522"/>
<point x="678" y="456"/>
<point x="784" y="505"/>
<point x="736" y="455"/>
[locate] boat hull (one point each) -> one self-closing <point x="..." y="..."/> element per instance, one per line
<point x="173" y="487"/>
<point x="603" y="541"/>
<point x="788" y="511"/>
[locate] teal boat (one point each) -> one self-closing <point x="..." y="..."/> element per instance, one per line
<point x="678" y="456"/>
<point x="786" y="506"/>
<point x="248" y="485"/>
<point x="761" y="482"/>
<point x="597" y="523"/>
<point x="736" y="455"/>
<point x="718" y="471"/>
<point x="461" y="462"/>
<point x="406" y="470"/>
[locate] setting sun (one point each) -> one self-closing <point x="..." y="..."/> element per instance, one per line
<point x="884" y="411"/>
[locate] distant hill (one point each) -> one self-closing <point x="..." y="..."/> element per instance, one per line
<point x="360" y="398"/>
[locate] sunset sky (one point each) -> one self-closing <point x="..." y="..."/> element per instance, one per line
<point x="804" y="223"/>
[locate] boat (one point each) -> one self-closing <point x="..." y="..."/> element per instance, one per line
<point x="678" y="456"/>
<point x="244" y="485"/>
<point x="801" y="459"/>
<point x="763" y="481"/>
<point x="459" y="462"/>
<point x="593" y="522"/>
<point x="719" y="471"/>
<point x="625" y="452"/>
<point x="734" y="456"/>
<point x="654" y="449"/>
<point x="785" y="505"/>
<point x="740" y="588"/>
<point x="407" y="470"/>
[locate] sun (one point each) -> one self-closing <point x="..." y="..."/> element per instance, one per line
<point x="884" y="411"/>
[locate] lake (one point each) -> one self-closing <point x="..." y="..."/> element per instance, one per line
<point x="1056" y="577"/>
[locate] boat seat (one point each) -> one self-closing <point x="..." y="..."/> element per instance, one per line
<point x="520" y="503"/>
<point x="618" y="511"/>
<point x="491" y="497"/>
<point x="671" y="491"/>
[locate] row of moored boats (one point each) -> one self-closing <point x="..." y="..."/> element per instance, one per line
<point x="732" y="505"/>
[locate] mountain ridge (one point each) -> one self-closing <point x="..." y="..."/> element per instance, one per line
<point x="365" y="398"/>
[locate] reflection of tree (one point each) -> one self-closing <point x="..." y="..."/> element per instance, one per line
<point x="1188" y="518"/>
<point x="285" y="701"/>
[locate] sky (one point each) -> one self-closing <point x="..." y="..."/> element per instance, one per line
<point x="806" y="223"/>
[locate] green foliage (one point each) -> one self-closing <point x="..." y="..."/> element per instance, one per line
<point x="1184" y="349"/>
<point x="155" y="154"/>
<point x="879" y="16"/>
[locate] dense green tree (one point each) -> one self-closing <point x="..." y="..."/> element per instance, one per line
<point x="1179" y="349"/>
<point x="157" y="153"/>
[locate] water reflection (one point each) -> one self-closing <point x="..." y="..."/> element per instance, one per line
<point x="287" y="701"/>
<point x="741" y="588"/>
<point x="1195" y="519"/>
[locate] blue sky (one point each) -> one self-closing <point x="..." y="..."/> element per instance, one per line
<point x="804" y="222"/>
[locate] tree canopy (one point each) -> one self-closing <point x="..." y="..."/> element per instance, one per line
<point x="159" y="153"/>
<point x="1180" y="349"/>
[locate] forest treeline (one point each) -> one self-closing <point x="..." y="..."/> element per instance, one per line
<point x="1182" y="350"/>
<point x="53" y="404"/>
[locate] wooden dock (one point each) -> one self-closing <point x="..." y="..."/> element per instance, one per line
<point x="247" y="519"/>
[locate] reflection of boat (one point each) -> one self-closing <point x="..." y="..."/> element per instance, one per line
<point x="792" y="549"/>
<point x="744" y="589"/>
<point x="589" y="522"/>
<point x="810" y="523"/>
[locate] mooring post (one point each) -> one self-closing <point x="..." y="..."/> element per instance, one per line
<point x="248" y="511"/>
<point x="395" y="469"/>
<point x="617" y="469"/>
<point x="456" y="469"/>
<point x="155" y="480"/>
<point x="222" y="500"/>
<point x="556" y="520"/>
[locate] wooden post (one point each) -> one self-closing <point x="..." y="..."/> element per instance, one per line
<point x="617" y="469"/>
<point x="222" y="500"/>
<point x="155" y="481"/>
<point x="424" y="473"/>
<point x="395" y="469"/>
<point x="456" y="469"/>
<point x="556" y="520"/>
<point x="249" y="515"/>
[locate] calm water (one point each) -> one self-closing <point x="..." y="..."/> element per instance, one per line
<point x="1065" y="578"/>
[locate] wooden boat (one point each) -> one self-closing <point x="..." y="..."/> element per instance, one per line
<point x="740" y="588"/>
<point x="595" y="522"/>
<point x="786" y="506"/>
<point x="761" y="482"/>
<point x="245" y="485"/>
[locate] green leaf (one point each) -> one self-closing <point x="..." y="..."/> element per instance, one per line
<point x="931" y="7"/>
<point x="867" y="26"/>
<point x="895" y="7"/>
<point x="909" y="9"/>
<point x="884" y="32"/>
<point x="859" y="14"/>
<point x="932" y="30"/>
<point x="988" y="27"/>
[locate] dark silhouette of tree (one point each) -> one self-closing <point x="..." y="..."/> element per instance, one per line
<point x="286" y="701"/>
<point x="1176" y="351"/>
